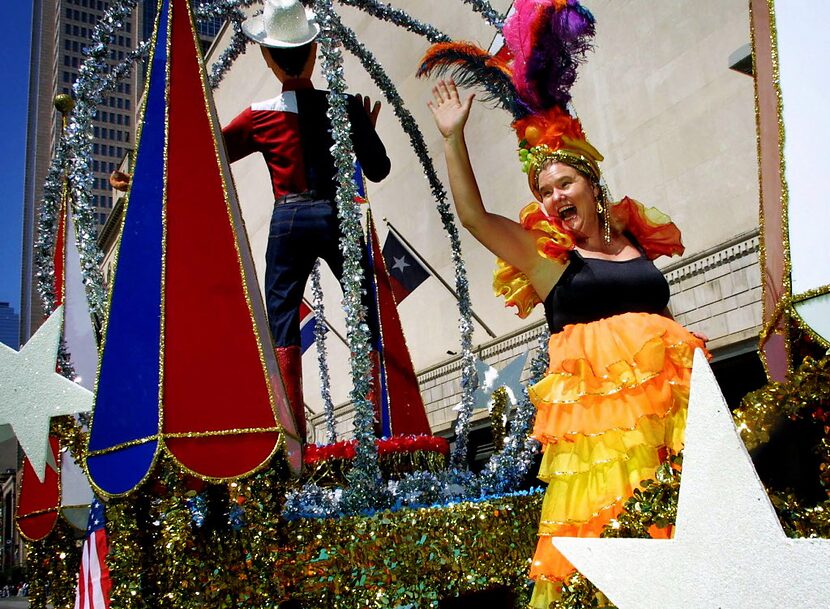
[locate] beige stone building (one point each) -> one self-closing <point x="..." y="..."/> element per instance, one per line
<point x="657" y="97"/>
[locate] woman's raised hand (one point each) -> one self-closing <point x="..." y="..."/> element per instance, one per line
<point x="449" y="111"/>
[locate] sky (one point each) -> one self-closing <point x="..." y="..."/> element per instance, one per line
<point x="15" y="34"/>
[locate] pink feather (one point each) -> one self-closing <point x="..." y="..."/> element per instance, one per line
<point x="518" y="35"/>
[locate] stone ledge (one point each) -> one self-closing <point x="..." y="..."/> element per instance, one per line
<point x="711" y="260"/>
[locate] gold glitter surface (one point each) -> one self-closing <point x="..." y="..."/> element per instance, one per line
<point x="159" y="558"/>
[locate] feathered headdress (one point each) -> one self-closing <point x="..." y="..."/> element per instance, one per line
<point x="545" y="40"/>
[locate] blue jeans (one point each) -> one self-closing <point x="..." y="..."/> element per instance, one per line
<point x="302" y="231"/>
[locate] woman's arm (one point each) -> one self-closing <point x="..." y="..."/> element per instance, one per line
<point x="502" y="236"/>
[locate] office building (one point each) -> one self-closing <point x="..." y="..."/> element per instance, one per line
<point x="61" y="29"/>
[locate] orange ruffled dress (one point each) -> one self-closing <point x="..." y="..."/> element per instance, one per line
<point x="612" y="405"/>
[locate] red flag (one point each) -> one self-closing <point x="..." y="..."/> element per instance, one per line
<point x="402" y="408"/>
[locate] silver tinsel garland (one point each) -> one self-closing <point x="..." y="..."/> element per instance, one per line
<point x="488" y="12"/>
<point x="230" y="11"/>
<point x="381" y="79"/>
<point x="507" y="468"/>
<point x="365" y="483"/>
<point x="322" y="353"/>
<point x="399" y="18"/>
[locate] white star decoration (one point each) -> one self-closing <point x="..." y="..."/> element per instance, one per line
<point x="400" y="264"/>
<point x="490" y="379"/>
<point x="31" y="392"/>
<point x="729" y="550"/>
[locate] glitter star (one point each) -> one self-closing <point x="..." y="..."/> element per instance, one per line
<point x="31" y="392"/>
<point x="729" y="549"/>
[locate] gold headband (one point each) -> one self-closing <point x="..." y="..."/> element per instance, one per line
<point x="538" y="157"/>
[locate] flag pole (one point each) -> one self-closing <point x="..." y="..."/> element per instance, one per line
<point x="415" y="253"/>
<point x="326" y="321"/>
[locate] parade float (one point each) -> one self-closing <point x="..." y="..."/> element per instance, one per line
<point x="209" y="498"/>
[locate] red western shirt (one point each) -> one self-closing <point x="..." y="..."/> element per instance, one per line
<point x="292" y="132"/>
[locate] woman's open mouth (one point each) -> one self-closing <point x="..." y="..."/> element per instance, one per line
<point x="566" y="211"/>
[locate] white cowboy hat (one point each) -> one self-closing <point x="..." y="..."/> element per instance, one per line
<point x="282" y="24"/>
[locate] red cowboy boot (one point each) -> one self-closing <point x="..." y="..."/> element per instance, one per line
<point x="289" y="360"/>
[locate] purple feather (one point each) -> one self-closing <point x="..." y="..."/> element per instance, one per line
<point x="562" y="38"/>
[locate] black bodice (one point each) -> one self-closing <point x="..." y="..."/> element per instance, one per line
<point x="592" y="289"/>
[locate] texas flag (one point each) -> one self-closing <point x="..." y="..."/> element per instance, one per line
<point x="405" y="271"/>
<point x="308" y="322"/>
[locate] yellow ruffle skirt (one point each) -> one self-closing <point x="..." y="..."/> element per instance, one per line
<point x="610" y="410"/>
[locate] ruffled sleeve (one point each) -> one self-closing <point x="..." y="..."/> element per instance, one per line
<point x="553" y="243"/>
<point x="653" y="230"/>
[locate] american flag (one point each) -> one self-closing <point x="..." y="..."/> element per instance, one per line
<point x="308" y="325"/>
<point x="93" y="590"/>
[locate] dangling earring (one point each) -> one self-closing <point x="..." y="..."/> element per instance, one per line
<point x="605" y="214"/>
<point x="606" y="217"/>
